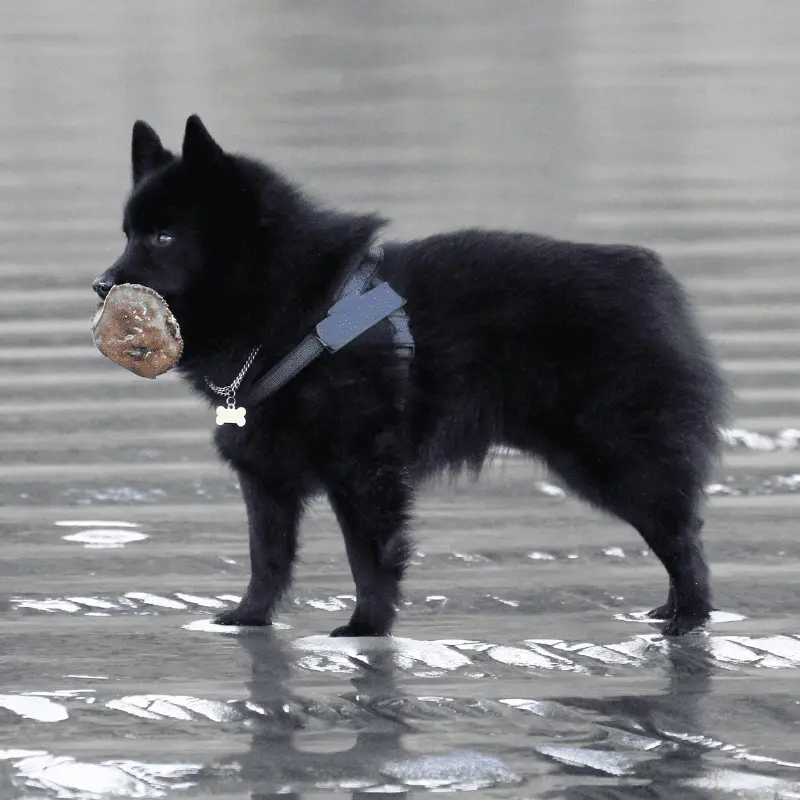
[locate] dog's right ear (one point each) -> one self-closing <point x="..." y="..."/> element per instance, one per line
<point x="199" y="146"/>
<point x="147" y="152"/>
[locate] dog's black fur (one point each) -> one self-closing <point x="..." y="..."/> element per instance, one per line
<point x="585" y="356"/>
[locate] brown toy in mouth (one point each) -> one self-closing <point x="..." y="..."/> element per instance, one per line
<point x="134" y="327"/>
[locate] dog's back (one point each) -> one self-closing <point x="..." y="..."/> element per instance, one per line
<point x="524" y="341"/>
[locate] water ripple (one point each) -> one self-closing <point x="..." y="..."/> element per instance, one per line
<point x="69" y="778"/>
<point x="458" y="771"/>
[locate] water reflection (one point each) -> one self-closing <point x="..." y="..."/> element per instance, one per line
<point x="277" y="757"/>
<point x="675" y="721"/>
<point x="656" y="744"/>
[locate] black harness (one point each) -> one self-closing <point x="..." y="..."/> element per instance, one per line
<point x="361" y="302"/>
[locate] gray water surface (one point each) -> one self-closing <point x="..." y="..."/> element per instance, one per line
<point x="520" y="668"/>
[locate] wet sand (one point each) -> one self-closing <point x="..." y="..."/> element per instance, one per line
<point x="519" y="667"/>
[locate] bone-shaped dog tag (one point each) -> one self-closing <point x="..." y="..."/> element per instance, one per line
<point x="232" y="415"/>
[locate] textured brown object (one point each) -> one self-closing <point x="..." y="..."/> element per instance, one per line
<point x="134" y="327"/>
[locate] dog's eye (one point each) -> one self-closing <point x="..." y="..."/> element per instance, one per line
<point x="162" y="239"/>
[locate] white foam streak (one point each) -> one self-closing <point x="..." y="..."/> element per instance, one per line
<point x="600" y="760"/>
<point x="104" y="538"/>
<point x="155" y="600"/>
<point x="70" y="778"/>
<point x="209" y="626"/>
<point x="41" y="709"/>
<point x="204" y="602"/>
<point x="82" y="523"/>
<point x="184" y="707"/>
<point x="342" y="652"/>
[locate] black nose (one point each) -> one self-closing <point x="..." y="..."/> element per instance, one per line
<point x="102" y="286"/>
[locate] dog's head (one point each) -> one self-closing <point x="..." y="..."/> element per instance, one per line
<point x="188" y="217"/>
<point x="225" y="240"/>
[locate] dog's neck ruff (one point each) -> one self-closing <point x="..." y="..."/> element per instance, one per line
<point x="361" y="302"/>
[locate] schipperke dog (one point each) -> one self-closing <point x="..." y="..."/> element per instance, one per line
<point x="584" y="356"/>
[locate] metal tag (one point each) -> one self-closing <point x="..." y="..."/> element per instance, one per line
<point x="232" y="415"/>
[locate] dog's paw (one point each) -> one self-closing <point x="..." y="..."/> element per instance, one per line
<point x="679" y="625"/>
<point x="242" y="616"/>
<point x="662" y="612"/>
<point x="356" y="629"/>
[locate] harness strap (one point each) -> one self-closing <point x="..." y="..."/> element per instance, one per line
<point x="353" y="312"/>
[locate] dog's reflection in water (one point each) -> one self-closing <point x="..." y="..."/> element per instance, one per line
<point x="675" y="768"/>
<point x="277" y="760"/>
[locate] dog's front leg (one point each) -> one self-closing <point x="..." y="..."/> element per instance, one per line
<point x="372" y="500"/>
<point x="272" y="520"/>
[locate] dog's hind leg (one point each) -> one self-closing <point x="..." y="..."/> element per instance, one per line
<point x="371" y="499"/>
<point x="657" y="487"/>
<point x="673" y="534"/>
<point x="272" y="521"/>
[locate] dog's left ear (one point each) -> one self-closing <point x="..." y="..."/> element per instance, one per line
<point x="198" y="145"/>
<point x="147" y="152"/>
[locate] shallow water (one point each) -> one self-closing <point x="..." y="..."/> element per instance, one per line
<point x="520" y="668"/>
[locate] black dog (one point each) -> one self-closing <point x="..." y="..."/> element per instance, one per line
<point x="585" y="356"/>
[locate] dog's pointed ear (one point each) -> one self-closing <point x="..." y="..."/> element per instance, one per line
<point x="147" y="152"/>
<point x="198" y="145"/>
